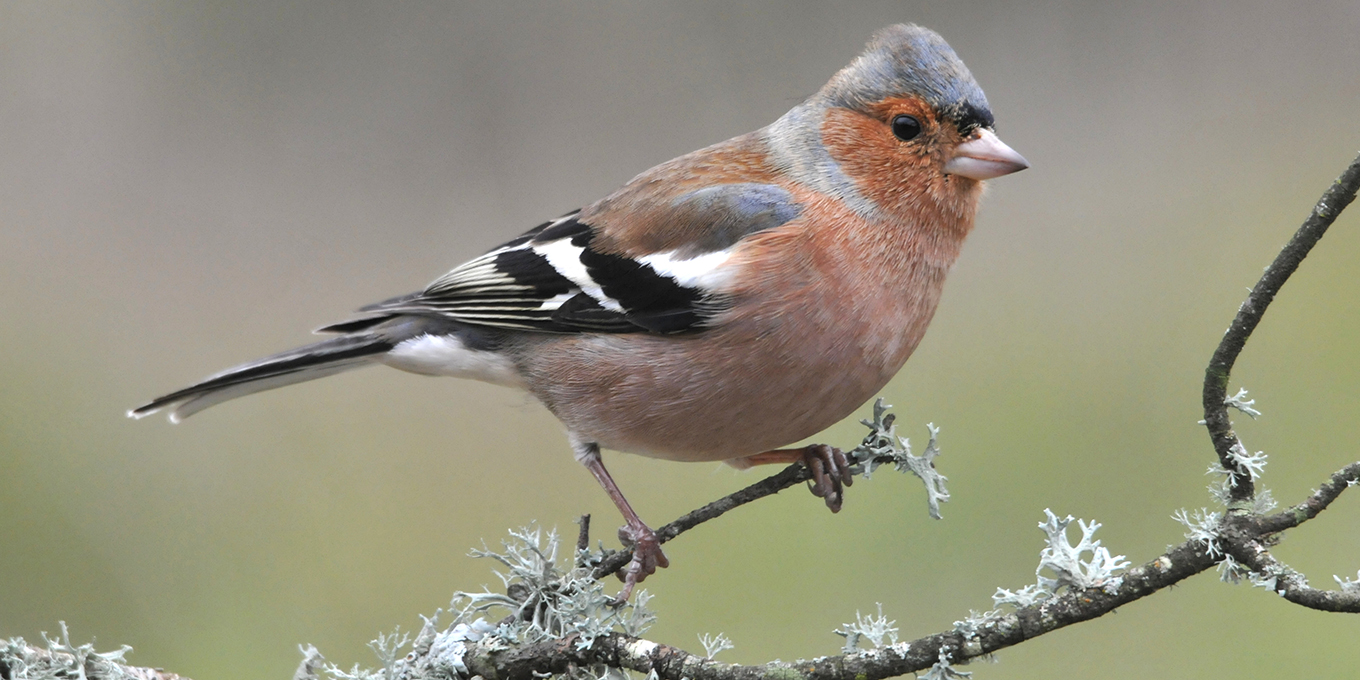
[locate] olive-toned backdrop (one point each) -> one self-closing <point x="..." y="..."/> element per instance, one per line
<point x="185" y="186"/>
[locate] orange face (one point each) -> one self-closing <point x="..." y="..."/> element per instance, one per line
<point x="900" y="171"/>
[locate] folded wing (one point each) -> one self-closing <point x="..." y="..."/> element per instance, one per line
<point x="559" y="278"/>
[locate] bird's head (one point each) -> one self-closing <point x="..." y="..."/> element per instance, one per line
<point x="904" y="123"/>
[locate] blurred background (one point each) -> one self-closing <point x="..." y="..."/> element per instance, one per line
<point x="184" y="186"/>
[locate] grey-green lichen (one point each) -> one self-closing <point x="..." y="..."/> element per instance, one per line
<point x="715" y="645"/>
<point x="1240" y="402"/>
<point x="543" y="599"/>
<point x="1062" y="565"/>
<point x="60" y="659"/>
<point x="782" y="671"/>
<point x="942" y="670"/>
<point x="876" y="630"/>
<point x="882" y="445"/>
<point x="1203" y="525"/>
<point x="1347" y="585"/>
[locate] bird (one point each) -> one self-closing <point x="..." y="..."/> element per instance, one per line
<point x="720" y="306"/>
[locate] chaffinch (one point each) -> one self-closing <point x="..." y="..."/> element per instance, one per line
<point x="720" y="305"/>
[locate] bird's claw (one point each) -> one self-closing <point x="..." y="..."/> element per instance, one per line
<point x="830" y="473"/>
<point x="647" y="557"/>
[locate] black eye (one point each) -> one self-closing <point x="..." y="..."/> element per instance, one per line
<point x="906" y="128"/>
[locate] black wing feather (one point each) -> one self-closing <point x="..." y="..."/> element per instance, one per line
<point x="517" y="286"/>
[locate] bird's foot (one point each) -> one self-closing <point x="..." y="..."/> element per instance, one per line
<point x="830" y="473"/>
<point x="647" y="557"/>
<point x="829" y="467"/>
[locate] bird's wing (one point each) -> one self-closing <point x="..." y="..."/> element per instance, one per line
<point x="568" y="275"/>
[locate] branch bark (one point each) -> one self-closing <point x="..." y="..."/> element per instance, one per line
<point x="670" y="663"/>
<point x="1224" y="439"/>
<point x="789" y="476"/>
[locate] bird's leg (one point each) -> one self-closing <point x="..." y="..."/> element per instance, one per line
<point x="829" y="467"/>
<point x="647" y="555"/>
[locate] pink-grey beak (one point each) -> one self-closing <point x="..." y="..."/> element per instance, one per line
<point x="983" y="157"/>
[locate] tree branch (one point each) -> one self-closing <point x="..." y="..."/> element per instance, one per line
<point x="999" y="632"/>
<point x="789" y="476"/>
<point x="1340" y="480"/>
<point x="1224" y="439"/>
<point x="1244" y="538"/>
<point x="1247" y="537"/>
<point x="1289" y="584"/>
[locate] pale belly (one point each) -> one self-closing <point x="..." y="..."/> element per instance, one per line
<point x="709" y="397"/>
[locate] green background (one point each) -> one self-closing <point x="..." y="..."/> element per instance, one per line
<point x="186" y="186"/>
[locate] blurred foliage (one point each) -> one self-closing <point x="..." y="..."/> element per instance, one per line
<point x="187" y="185"/>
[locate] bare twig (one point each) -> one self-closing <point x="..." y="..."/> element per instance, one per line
<point x="583" y="537"/>
<point x="1225" y="441"/>
<point x="1329" y="491"/>
<point x="1289" y="584"/>
<point x="769" y="486"/>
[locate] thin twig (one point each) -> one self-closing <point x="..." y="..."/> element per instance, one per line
<point x="1340" y="480"/>
<point x="769" y="486"/>
<point x="1225" y="441"/>
<point x="1290" y="584"/>
<point x="583" y="537"/>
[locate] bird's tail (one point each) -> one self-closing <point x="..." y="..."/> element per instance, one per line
<point x="309" y="362"/>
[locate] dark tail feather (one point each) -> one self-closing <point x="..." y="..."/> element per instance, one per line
<point x="316" y="360"/>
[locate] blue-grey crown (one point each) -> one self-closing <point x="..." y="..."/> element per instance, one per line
<point x="906" y="59"/>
